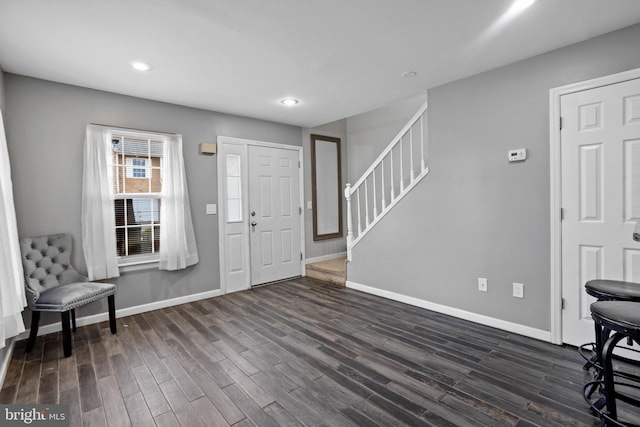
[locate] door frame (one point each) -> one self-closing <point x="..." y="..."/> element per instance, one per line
<point x="556" y="185"/>
<point x="222" y="205"/>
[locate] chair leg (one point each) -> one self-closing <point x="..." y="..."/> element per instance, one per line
<point x="112" y="313"/>
<point x="35" y="321"/>
<point x="73" y="320"/>
<point x="66" y="333"/>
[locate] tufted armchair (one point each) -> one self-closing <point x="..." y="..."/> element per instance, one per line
<point x="52" y="284"/>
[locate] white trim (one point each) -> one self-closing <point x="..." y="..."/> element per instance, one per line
<point x="128" y="311"/>
<point x="221" y="140"/>
<point x="556" y="185"/>
<point x="390" y="206"/>
<point x="325" y="257"/>
<point x="6" y="360"/>
<point x="456" y="312"/>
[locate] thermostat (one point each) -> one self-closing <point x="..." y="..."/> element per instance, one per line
<point x="518" y="155"/>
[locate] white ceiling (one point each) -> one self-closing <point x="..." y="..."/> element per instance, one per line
<point x="339" y="57"/>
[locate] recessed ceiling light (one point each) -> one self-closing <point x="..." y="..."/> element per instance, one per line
<point x="408" y="74"/>
<point x="289" y="102"/>
<point x="140" y="66"/>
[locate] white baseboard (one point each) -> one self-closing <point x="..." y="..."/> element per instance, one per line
<point x="129" y="311"/>
<point x="7" y="352"/>
<point x="325" y="257"/>
<point x="516" y="328"/>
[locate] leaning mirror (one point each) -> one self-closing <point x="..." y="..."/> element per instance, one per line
<point x="326" y="185"/>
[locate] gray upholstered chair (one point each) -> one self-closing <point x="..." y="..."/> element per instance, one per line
<point x="52" y="284"/>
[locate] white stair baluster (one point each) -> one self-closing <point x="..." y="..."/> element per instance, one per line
<point x="374" y="194"/>
<point x="359" y="215"/>
<point x="411" y="174"/>
<point x="422" y="165"/>
<point x="366" y="203"/>
<point x="392" y="178"/>
<point x="401" y="167"/>
<point x="382" y="190"/>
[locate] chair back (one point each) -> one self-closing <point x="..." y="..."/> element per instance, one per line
<point x="46" y="261"/>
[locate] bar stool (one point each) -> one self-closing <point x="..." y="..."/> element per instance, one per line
<point x="607" y="290"/>
<point x="618" y="320"/>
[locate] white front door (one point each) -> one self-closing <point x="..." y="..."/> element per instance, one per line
<point x="274" y="214"/>
<point x="264" y="179"/>
<point x="600" y="162"/>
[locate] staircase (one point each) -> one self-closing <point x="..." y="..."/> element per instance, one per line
<point x="332" y="271"/>
<point x="399" y="168"/>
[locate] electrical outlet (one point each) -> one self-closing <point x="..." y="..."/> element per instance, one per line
<point x="482" y="284"/>
<point x="518" y="290"/>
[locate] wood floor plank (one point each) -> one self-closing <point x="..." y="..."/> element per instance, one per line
<point x="249" y="407"/>
<point x="68" y="373"/>
<point x="168" y="419"/>
<point x="8" y="394"/>
<point x="182" y="378"/>
<point x="88" y="384"/>
<point x="226" y="406"/>
<point x="94" y="418"/>
<point x="150" y="391"/>
<point x="208" y="412"/>
<point x="302" y="353"/>
<point x="179" y="404"/>
<point x="281" y="415"/>
<point x="261" y="397"/>
<point x="123" y="374"/>
<point x="71" y="397"/>
<point x="48" y="388"/>
<point x="14" y="371"/>
<point x="114" y="408"/>
<point x="138" y="411"/>
<point x="29" y="382"/>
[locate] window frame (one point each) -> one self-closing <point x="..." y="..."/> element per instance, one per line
<point x="122" y="161"/>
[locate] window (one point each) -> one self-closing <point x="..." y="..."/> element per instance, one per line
<point x="234" y="189"/>
<point x="136" y="168"/>
<point x="130" y="219"/>
<point x="137" y="186"/>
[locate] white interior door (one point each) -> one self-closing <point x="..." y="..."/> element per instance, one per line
<point x="600" y="162"/>
<point x="274" y="214"/>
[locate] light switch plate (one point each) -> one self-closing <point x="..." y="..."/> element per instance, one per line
<point x="518" y="290"/>
<point x="211" y="209"/>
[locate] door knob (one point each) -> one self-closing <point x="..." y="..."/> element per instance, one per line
<point x="253" y="223"/>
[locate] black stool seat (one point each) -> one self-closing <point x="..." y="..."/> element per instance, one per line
<point x="606" y="290"/>
<point x="615" y="321"/>
<point x="618" y="316"/>
<point x="613" y="290"/>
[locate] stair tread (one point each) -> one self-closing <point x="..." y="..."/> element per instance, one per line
<point x="335" y="265"/>
<point x="331" y="271"/>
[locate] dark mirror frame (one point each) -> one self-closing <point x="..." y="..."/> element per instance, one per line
<point x="314" y="186"/>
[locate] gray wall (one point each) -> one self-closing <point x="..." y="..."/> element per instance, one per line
<point x="45" y="130"/>
<point x="337" y="129"/>
<point x="369" y="133"/>
<point x="475" y="215"/>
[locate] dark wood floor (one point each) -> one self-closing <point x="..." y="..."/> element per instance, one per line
<point x="301" y="353"/>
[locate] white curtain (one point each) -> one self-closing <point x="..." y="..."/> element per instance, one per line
<point x="177" y="239"/>
<point x="12" y="295"/>
<point x="98" y="222"/>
